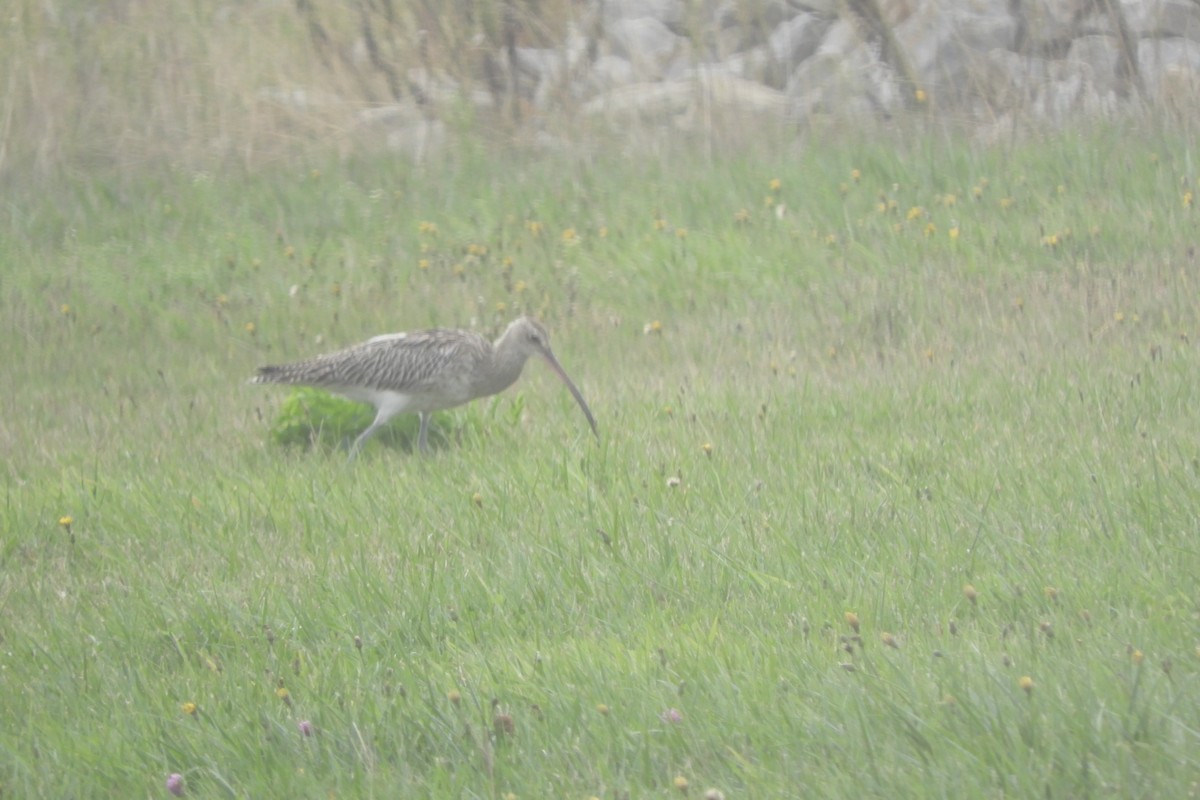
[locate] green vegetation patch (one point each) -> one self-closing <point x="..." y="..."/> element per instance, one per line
<point x="895" y="493"/>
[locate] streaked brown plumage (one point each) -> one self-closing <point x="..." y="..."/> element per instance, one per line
<point x="424" y="371"/>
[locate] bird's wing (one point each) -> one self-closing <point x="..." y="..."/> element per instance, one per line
<point x="399" y="362"/>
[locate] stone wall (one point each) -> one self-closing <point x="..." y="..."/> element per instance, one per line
<point x="987" y="62"/>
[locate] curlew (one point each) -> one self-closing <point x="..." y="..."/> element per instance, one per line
<point x="424" y="371"/>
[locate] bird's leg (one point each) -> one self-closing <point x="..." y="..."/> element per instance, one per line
<point x="380" y="420"/>
<point x="423" y="436"/>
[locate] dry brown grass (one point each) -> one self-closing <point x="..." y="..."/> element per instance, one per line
<point x="129" y="83"/>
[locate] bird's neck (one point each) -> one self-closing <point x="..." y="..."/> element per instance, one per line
<point x="506" y="367"/>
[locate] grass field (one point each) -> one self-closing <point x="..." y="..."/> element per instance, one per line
<point x="896" y="494"/>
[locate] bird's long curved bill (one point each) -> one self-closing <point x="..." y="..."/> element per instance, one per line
<point x="558" y="370"/>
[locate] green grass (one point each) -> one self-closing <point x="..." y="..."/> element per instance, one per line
<point x="840" y="409"/>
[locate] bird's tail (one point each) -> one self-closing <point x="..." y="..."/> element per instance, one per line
<point x="274" y="374"/>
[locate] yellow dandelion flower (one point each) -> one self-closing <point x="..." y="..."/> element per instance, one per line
<point x="427" y="228"/>
<point x="930" y="229"/>
<point x="459" y="269"/>
<point x="881" y="207"/>
<point x="1138" y="656"/>
<point x="681" y="233"/>
<point x="65" y="309"/>
<point x="914" y="212"/>
<point x="603" y="710"/>
<point x="423" y="263"/>
<point x="680" y="783"/>
<point x="831" y="238"/>
<point x="289" y="252"/>
<point x="856" y="175"/>
<point x="977" y="192"/>
<point x="660" y="224"/>
<point x="741" y="216"/>
<point x="775" y="184"/>
<point x="251" y="328"/>
<point x="920" y="96"/>
<point x="889" y="640"/>
<point x="970" y="593"/>
<point x="569" y="236"/>
<point x="477" y="499"/>
<point x="1026" y="684"/>
<point x="1050" y="240"/>
<point x="953" y="232"/>
<point x="654" y="326"/>
<point x="66" y="520"/>
<point x="707" y="448"/>
<point x="1187" y="199"/>
<point x="190" y="709"/>
<point x="534" y="227"/>
<point x="1006" y="203"/>
<point x="768" y="201"/>
<point x="949" y="200"/>
<point x="1118" y="316"/>
<point x="851" y="620"/>
<point x="453" y="696"/>
<point x="519" y="287"/>
<point x="501" y="306"/>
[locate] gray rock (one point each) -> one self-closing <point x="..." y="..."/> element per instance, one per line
<point x="946" y="43"/>
<point x="708" y="94"/>
<point x="741" y="25"/>
<point x="611" y="71"/>
<point x="840" y="39"/>
<point x="1048" y="26"/>
<point x="538" y="62"/>
<point x="417" y="140"/>
<point x="752" y="64"/>
<point x="1150" y="18"/>
<point x="1102" y="55"/>
<point x="671" y="13"/>
<point x="853" y="85"/>
<point x="826" y="8"/>
<point x="796" y="39"/>
<point x="1169" y="65"/>
<point x="645" y="42"/>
